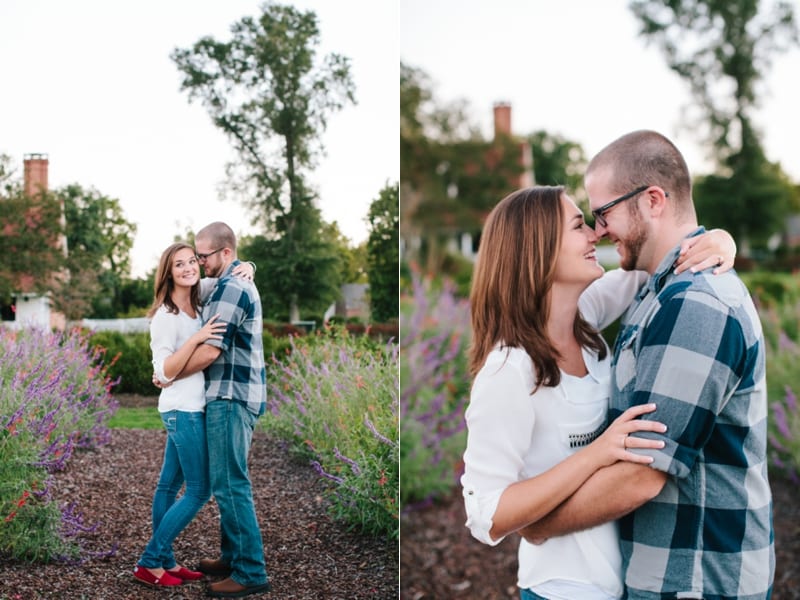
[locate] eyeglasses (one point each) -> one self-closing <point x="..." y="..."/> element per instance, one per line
<point x="205" y="256"/>
<point x="599" y="212"/>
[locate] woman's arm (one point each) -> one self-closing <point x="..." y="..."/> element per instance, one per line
<point x="167" y="367"/>
<point x="501" y="419"/>
<point x="245" y="270"/>
<point x="604" y="301"/>
<point x="527" y="501"/>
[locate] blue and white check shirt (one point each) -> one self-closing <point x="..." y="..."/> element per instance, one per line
<point x="692" y="343"/>
<point x="239" y="372"/>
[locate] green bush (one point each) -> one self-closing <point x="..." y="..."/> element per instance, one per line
<point x="132" y="358"/>
<point x="274" y="344"/>
<point x="772" y="289"/>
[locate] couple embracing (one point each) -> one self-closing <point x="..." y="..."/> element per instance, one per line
<point x="208" y="358"/>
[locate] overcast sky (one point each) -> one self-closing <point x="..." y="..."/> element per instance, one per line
<point x="90" y="84"/>
<point x="575" y="68"/>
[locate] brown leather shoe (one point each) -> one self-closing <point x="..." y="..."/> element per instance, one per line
<point x="214" y="566"/>
<point x="228" y="588"/>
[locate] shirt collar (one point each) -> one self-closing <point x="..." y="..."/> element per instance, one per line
<point x="665" y="268"/>
<point x="228" y="272"/>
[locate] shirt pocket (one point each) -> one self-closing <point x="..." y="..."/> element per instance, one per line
<point x="582" y="430"/>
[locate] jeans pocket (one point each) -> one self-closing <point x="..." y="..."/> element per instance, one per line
<point x="170" y="422"/>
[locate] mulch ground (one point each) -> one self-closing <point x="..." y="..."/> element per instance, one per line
<point x="309" y="556"/>
<point x="440" y="559"/>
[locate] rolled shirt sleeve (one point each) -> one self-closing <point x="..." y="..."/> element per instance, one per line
<point x="163" y="336"/>
<point x="500" y="421"/>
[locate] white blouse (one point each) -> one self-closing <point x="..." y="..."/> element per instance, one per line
<point x="168" y="332"/>
<point x="513" y="436"/>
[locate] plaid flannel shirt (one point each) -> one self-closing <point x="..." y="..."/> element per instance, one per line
<point x="239" y="372"/>
<point x="692" y="343"/>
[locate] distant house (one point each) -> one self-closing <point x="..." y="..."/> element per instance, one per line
<point x="29" y="308"/>
<point x="461" y="234"/>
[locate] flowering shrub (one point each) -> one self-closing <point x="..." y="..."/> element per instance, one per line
<point x="54" y="398"/>
<point x="434" y="383"/>
<point x="334" y="396"/>
<point x="781" y="334"/>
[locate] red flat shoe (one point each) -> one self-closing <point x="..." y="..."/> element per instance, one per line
<point x="185" y="574"/>
<point x="143" y="575"/>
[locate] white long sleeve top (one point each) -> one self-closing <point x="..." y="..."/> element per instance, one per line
<point x="513" y="436"/>
<point x="168" y="332"/>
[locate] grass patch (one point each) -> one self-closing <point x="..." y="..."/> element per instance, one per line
<point x="140" y="417"/>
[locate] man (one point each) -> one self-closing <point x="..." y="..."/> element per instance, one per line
<point x="235" y="397"/>
<point x="697" y="522"/>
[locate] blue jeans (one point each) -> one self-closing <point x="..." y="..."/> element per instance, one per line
<point x="229" y="429"/>
<point x="530" y="595"/>
<point x="185" y="459"/>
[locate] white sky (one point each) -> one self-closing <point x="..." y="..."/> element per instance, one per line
<point x="91" y="84"/>
<point x="575" y="68"/>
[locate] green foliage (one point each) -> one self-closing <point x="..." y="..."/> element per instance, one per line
<point x="450" y="176"/>
<point x="99" y="238"/>
<point x="718" y="45"/>
<point x="135" y="296"/>
<point x="273" y="344"/>
<point x="30" y="241"/>
<point x="31" y="524"/>
<point x="435" y="334"/>
<point x="302" y="270"/>
<point x="723" y="50"/>
<point x="780" y="317"/>
<point x="335" y="398"/>
<point x="751" y="200"/>
<point x="54" y="400"/>
<point x="772" y="289"/>
<point x="383" y="254"/>
<point x="558" y="161"/>
<point x="133" y="360"/>
<point x="265" y="88"/>
<point x="458" y="270"/>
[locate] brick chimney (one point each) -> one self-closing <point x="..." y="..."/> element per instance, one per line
<point x="35" y="174"/>
<point x="502" y="119"/>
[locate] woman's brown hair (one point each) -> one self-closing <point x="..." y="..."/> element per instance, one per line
<point x="164" y="285"/>
<point x="510" y="300"/>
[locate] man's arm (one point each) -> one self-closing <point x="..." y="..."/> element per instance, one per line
<point x="609" y="494"/>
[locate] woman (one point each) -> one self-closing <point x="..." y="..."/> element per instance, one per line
<point x="537" y="415"/>
<point x="176" y="329"/>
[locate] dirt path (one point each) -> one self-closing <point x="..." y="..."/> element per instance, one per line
<point x="308" y="555"/>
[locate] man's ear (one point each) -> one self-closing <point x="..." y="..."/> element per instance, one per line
<point x="656" y="199"/>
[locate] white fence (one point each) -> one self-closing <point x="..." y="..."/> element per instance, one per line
<point x="122" y="325"/>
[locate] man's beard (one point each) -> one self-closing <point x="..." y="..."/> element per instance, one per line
<point x="633" y="244"/>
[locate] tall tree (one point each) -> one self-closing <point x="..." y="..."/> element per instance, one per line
<point x="318" y="269"/>
<point x="267" y="92"/>
<point x="383" y="255"/>
<point x="100" y="239"/>
<point x="723" y="49"/>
